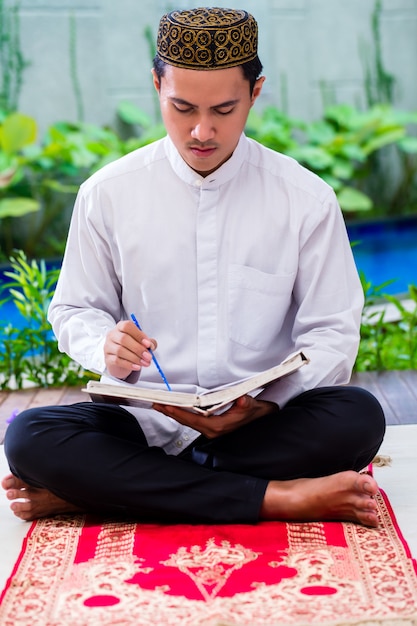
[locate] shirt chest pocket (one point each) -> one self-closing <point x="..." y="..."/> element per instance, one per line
<point x="257" y="306"/>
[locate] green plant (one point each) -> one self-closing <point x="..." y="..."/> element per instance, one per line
<point x="47" y="176"/>
<point x="17" y="131"/>
<point x="407" y="329"/>
<point x="399" y="191"/>
<point x="150" y="41"/>
<point x="30" y="354"/>
<point x="385" y="344"/>
<point x="142" y="130"/>
<point x="379" y="83"/>
<point x="51" y="177"/>
<point x="12" y="62"/>
<point x="75" y="80"/>
<point x="339" y="146"/>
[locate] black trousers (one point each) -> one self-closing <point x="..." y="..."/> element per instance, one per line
<point x="96" y="456"/>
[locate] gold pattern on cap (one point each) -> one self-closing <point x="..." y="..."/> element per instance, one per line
<point x="207" y="38"/>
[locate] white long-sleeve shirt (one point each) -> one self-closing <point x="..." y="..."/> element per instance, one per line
<point x="229" y="273"/>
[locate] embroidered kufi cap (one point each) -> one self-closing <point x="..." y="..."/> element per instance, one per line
<point x="207" y="38"/>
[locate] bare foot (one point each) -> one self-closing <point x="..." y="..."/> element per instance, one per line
<point x="346" y="496"/>
<point x="30" y="503"/>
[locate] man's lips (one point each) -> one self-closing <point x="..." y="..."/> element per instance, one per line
<point x="202" y="152"/>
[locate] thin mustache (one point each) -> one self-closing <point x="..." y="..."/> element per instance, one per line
<point x="202" y="146"/>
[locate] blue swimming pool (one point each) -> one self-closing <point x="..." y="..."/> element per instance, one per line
<point x="8" y="312"/>
<point x="386" y="250"/>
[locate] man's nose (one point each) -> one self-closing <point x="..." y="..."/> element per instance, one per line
<point x="203" y="130"/>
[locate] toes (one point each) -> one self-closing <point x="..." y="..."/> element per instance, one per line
<point x="12" y="482"/>
<point x="367" y="484"/>
<point x="367" y="511"/>
<point x="15" y="494"/>
<point x="21" y="507"/>
<point x="372" y="505"/>
<point x="22" y="510"/>
<point x="370" y="519"/>
<point x="8" y="481"/>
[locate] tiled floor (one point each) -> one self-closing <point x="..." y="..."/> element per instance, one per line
<point x="398" y="481"/>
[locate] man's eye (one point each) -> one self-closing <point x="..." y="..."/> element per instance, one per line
<point x="225" y="111"/>
<point x="183" y="109"/>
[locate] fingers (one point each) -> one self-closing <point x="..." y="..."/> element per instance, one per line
<point x="201" y="423"/>
<point x="131" y="329"/>
<point x="211" y="426"/>
<point x="126" y="349"/>
<point x="183" y="416"/>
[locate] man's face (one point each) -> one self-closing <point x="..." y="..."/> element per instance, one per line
<point x="205" y="112"/>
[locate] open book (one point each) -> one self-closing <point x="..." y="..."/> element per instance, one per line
<point x="206" y="401"/>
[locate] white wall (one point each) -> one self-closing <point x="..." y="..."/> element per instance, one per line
<point x="303" y="45"/>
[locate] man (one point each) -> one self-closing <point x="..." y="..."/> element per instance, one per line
<point x="232" y="256"/>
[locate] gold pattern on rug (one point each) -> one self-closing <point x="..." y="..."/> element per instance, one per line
<point x="74" y="571"/>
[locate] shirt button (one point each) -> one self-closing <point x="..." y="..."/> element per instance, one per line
<point x="186" y="438"/>
<point x="179" y="443"/>
<point x="198" y="183"/>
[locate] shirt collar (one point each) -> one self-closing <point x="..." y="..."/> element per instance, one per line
<point x="222" y="175"/>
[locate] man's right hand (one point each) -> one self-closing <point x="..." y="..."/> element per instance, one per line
<point x="126" y="350"/>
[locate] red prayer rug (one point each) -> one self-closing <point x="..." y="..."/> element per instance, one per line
<point x="76" y="571"/>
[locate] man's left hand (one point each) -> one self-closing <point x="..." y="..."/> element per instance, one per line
<point x="246" y="409"/>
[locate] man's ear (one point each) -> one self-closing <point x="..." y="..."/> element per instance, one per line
<point x="156" y="82"/>
<point x="257" y="89"/>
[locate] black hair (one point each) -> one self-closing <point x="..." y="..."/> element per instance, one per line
<point x="251" y="70"/>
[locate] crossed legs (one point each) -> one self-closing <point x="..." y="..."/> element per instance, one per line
<point x="301" y="463"/>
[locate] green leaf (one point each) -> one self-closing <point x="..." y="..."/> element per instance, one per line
<point x="131" y="114"/>
<point x="353" y="151"/>
<point x="343" y="114"/>
<point x="56" y="185"/>
<point x="7" y="176"/>
<point x="384" y="139"/>
<point x="320" y="133"/>
<point x="353" y="200"/>
<point x="404" y="117"/>
<point x="16" y="207"/>
<point x="342" y="169"/>
<point x="412" y="290"/>
<point x="316" y="158"/>
<point x="17" y="131"/>
<point x="275" y="135"/>
<point x="408" y="144"/>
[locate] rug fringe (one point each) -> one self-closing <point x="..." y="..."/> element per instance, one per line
<point x="382" y="460"/>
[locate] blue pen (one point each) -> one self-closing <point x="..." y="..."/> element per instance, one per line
<point x="158" y="367"/>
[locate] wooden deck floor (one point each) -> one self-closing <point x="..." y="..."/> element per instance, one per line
<point x="397" y="392"/>
<point x="16" y="401"/>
